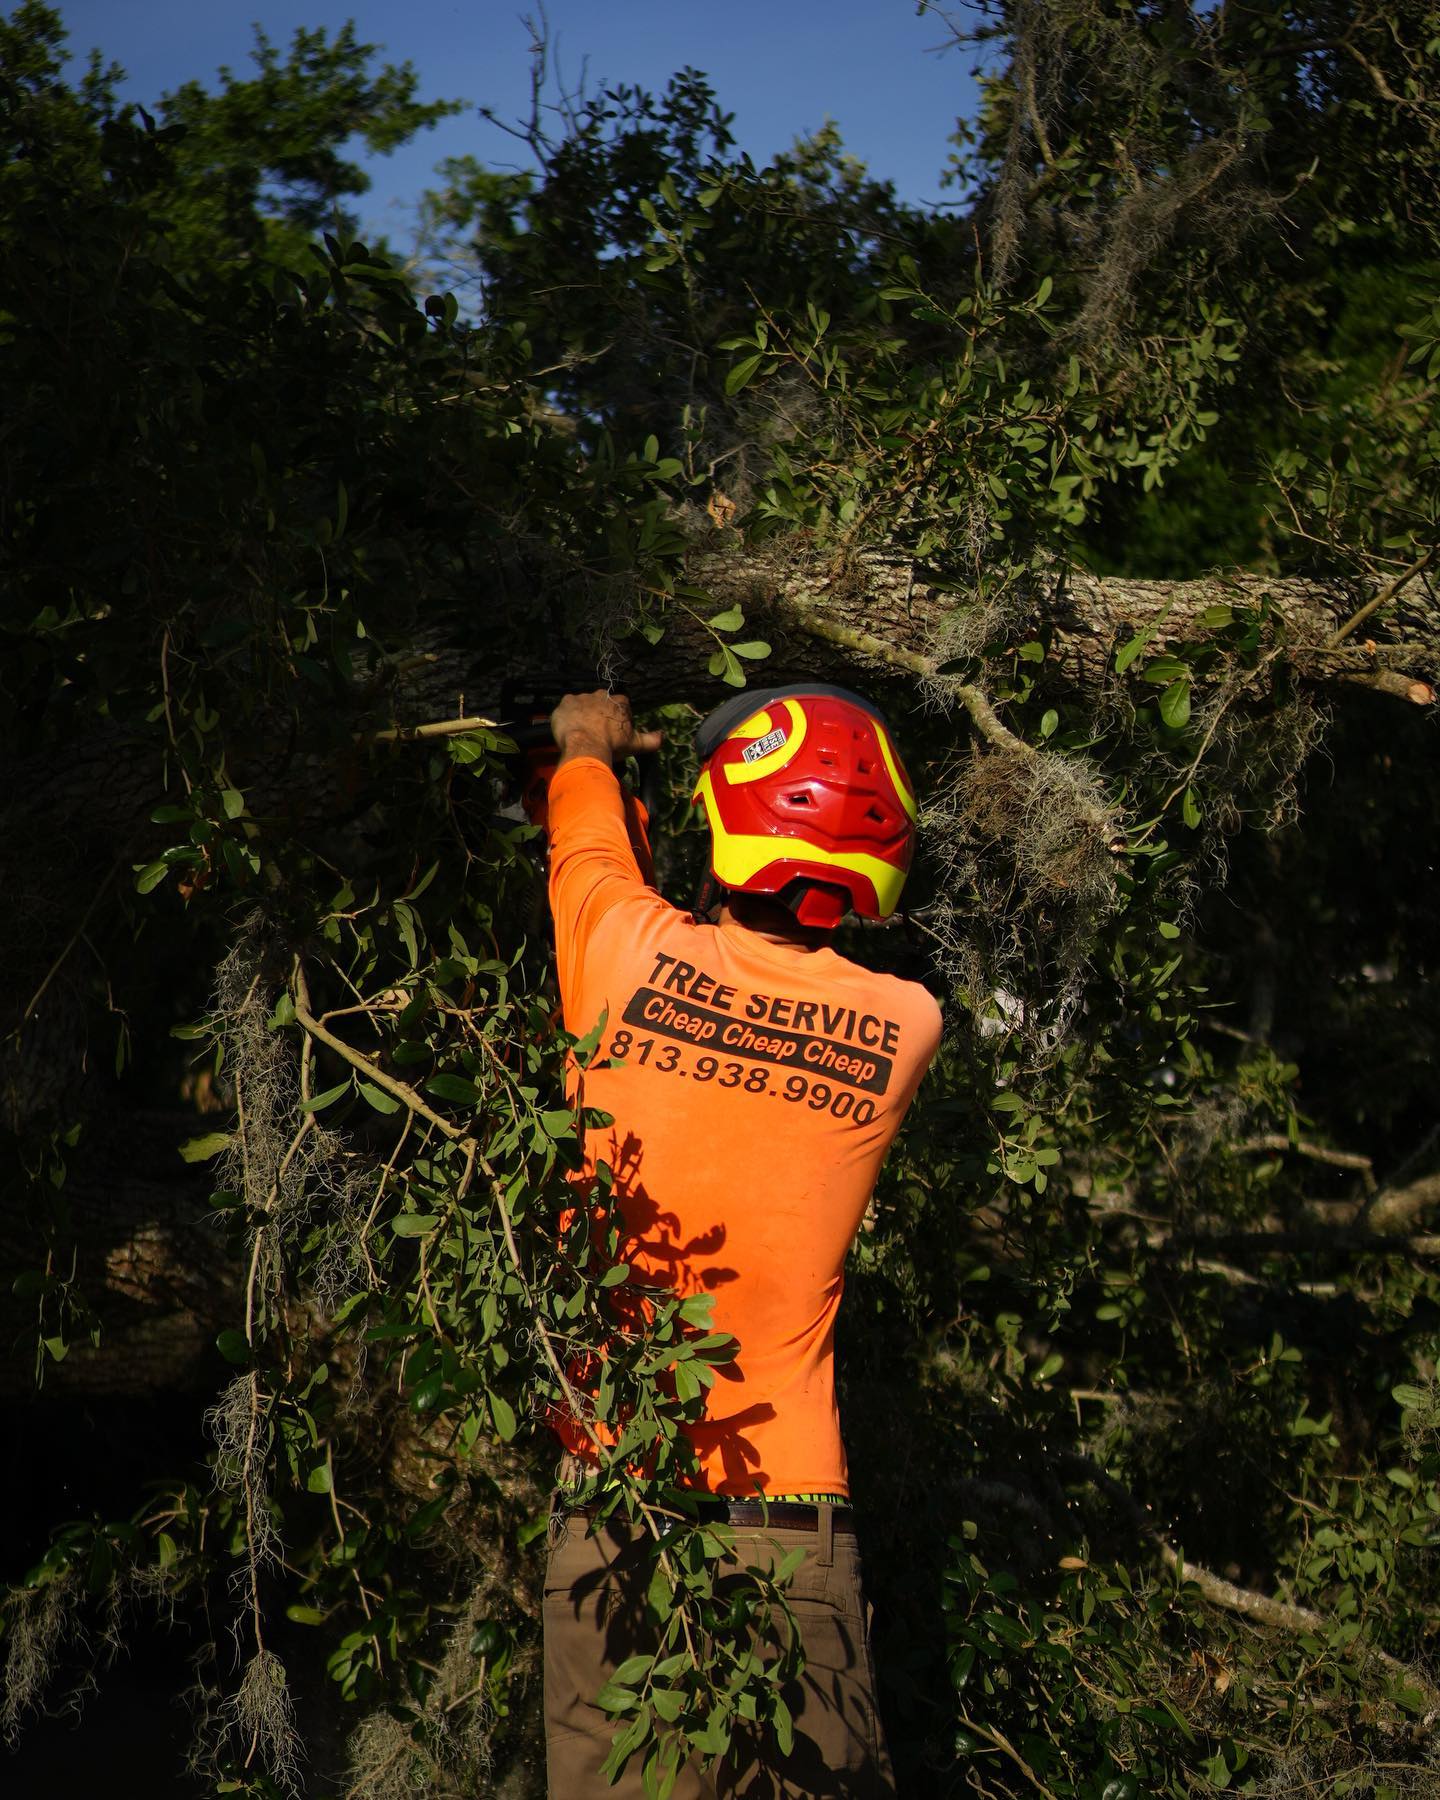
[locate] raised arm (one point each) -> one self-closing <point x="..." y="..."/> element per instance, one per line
<point x="598" y="853"/>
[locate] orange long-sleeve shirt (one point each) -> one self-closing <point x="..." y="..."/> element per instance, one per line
<point x="755" y="1087"/>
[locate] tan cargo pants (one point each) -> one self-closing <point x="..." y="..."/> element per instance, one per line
<point x="594" y="1617"/>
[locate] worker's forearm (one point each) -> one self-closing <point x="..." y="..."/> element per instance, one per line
<point x="585" y="743"/>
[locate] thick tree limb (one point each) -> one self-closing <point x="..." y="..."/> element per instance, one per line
<point x="880" y="611"/>
<point x="1276" y="1143"/>
<point x="1389" y="1213"/>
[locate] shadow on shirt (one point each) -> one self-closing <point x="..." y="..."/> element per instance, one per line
<point x="652" y="1235"/>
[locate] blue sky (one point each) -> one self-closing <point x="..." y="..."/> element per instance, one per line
<point x="781" y="66"/>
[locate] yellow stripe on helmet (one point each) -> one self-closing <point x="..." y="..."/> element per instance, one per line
<point x="741" y="772"/>
<point x="738" y="857"/>
<point x="897" y="774"/>
<point x="754" y="727"/>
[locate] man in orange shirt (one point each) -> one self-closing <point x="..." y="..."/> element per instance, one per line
<point x="755" y="1080"/>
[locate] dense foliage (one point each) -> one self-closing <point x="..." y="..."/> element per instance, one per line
<point x="1139" y="1350"/>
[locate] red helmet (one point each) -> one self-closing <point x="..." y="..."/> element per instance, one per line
<point x="807" y="800"/>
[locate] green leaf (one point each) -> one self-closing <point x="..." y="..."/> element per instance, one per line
<point x="413" y="1225"/>
<point x="233" y="802"/>
<point x="503" y="1414"/>
<point x="318" y="1102"/>
<point x="1190" y="809"/>
<point x="378" y="1098"/>
<point x="405" y="919"/>
<point x="1128" y="652"/>
<point x="233" y="1345"/>
<point x="1175" y="704"/>
<point x="423" y="883"/>
<point x="1404" y="1394"/>
<point x="614" y="1276"/>
<point x="1049" y="723"/>
<point x="150" y="876"/>
<point x="742" y="372"/>
<point x="724" y="664"/>
<point x="305" y="1615"/>
<point x="453" y="1087"/>
<point x="731" y="619"/>
<point x="201" y="1149"/>
<point x="616" y="1699"/>
<point x="756" y="649"/>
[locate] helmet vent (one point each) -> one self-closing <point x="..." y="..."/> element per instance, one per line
<point x="862" y="767"/>
<point x="874" y="812"/>
<point x="798" y="800"/>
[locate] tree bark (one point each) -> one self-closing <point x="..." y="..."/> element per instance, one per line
<point x="879" y="613"/>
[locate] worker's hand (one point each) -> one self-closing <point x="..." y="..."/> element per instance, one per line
<point x="599" y="724"/>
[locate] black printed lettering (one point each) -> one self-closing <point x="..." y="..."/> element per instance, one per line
<point x="760" y="1041"/>
<point x="662" y="958"/>
<point x="805" y="1011"/>
<point x="755" y="1006"/>
<point x="678" y="976"/>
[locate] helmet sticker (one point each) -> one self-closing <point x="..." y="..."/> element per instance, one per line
<point x="763" y="746"/>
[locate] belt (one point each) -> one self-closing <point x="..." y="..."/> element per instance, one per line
<point x="781" y="1515"/>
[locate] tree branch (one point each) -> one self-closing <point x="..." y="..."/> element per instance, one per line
<point x="1390" y="1212"/>
<point x="407" y="734"/>
<point x="1274" y="1141"/>
<point x="1383" y="598"/>
<point x="1264" y="1609"/>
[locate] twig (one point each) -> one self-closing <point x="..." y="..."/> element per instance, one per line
<point x="865" y="645"/>
<point x="993" y="1735"/>
<point x="1386" y="594"/>
<point x="400" y="1090"/>
<point x="75" y="938"/>
<point x="169" y="717"/>
<point x="408" y="734"/>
